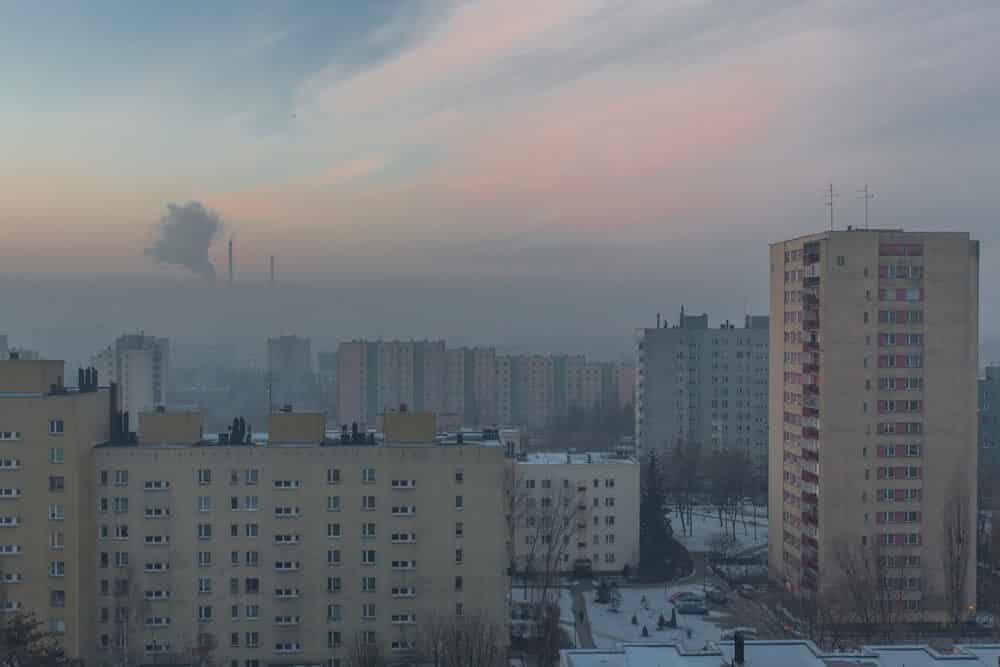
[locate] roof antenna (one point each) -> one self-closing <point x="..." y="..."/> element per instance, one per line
<point x="866" y="195"/>
<point x="830" y="196"/>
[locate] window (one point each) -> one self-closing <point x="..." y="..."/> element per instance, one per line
<point x="204" y="559"/>
<point x="368" y="557"/>
<point x="334" y="640"/>
<point x="205" y="585"/>
<point x="252" y="503"/>
<point x="333" y="475"/>
<point x="251" y="558"/>
<point x="287" y="484"/>
<point x="204" y="503"/>
<point x="333" y="557"/>
<point x="57" y="484"/>
<point x="57" y="568"/>
<point x="368" y="530"/>
<point x="252" y="476"/>
<point x="458" y="584"/>
<point x="204" y="531"/>
<point x="57" y="512"/>
<point x="459" y="529"/>
<point x="251" y="639"/>
<point x="333" y="530"/>
<point x="252" y="612"/>
<point x="120" y="478"/>
<point x="56" y="427"/>
<point x="459" y="502"/>
<point x="841" y="260"/>
<point x="204" y="476"/>
<point x="251" y="530"/>
<point x="458" y="555"/>
<point x="57" y="540"/>
<point x="368" y="503"/>
<point x="333" y="503"/>
<point x="368" y="610"/>
<point x="334" y="612"/>
<point x="333" y="584"/>
<point x="368" y="475"/>
<point x="459" y="609"/>
<point x="57" y="455"/>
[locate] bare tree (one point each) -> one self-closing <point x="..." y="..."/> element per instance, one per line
<point x="546" y="524"/>
<point x="683" y="483"/>
<point x="127" y="619"/>
<point x="462" y="641"/>
<point x="870" y="587"/>
<point x="957" y="545"/>
<point x="365" y="653"/>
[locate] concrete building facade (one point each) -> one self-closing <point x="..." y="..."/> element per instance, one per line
<point x="575" y="509"/>
<point x="874" y="343"/>
<point x="147" y="550"/>
<point x="140" y="365"/>
<point x="703" y="385"/>
<point x="47" y="527"/>
<point x="989" y="438"/>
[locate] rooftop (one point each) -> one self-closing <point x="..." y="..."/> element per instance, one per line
<point x="577" y="458"/>
<point x="786" y="653"/>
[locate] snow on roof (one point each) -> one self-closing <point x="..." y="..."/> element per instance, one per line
<point x="577" y="458"/>
<point x="782" y="653"/>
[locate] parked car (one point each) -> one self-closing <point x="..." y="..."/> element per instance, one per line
<point x="716" y="595"/>
<point x="693" y="607"/>
<point x="679" y="597"/>
<point x="746" y="590"/>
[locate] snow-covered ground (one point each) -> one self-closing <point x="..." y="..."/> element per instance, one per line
<point x="610" y="628"/>
<point x="706" y="529"/>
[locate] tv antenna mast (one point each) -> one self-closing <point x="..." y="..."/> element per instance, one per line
<point x="865" y="194"/>
<point x="831" y="194"/>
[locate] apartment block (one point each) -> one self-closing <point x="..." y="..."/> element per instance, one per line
<point x="289" y="552"/>
<point x="289" y="371"/>
<point x="374" y="377"/>
<point x="874" y="342"/>
<point x="989" y="438"/>
<point x="472" y="385"/>
<point x="139" y="364"/>
<point x="695" y="383"/>
<point x="575" y="510"/>
<point x="47" y="434"/>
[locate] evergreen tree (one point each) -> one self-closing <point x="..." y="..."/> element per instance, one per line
<point x="655" y="533"/>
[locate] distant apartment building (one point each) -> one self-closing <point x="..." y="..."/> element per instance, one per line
<point x="326" y="379"/>
<point x="374" y="377"/>
<point x="534" y="390"/>
<point x="47" y="507"/>
<point x="573" y="510"/>
<point x="289" y="371"/>
<point x="703" y="385"/>
<point x="285" y="551"/>
<point x="140" y="365"/>
<point x="874" y="342"/>
<point x="4" y="350"/>
<point x="989" y="438"/>
<point x="472" y="385"/>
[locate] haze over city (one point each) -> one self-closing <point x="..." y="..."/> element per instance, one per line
<point x="473" y="169"/>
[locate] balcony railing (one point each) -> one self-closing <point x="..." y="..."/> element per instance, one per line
<point x="808" y="411"/>
<point x="810" y="477"/>
<point x="810" y="257"/>
<point x="809" y="497"/>
<point x="810" y="346"/>
<point x="810" y="518"/>
<point x="810" y="281"/>
<point x="810" y="368"/>
<point x="810" y="389"/>
<point x="810" y="433"/>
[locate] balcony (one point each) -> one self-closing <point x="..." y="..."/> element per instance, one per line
<point x="810" y="454"/>
<point x="810" y="477"/>
<point x="809" y="497"/>
<point x="810" y="346"/>
<point x="810" y="323"/>
<point x="810" y="257"/>
<point x="808" y="411"/>
<point x="810" y="542"/>
<point x="810" y="368"/>
<point x="810" y="433"/>
<point x="582" y="507"/>
<point x="810" y="389"/>
<point x="810" y="281"/>
<point x="810" y="518"/>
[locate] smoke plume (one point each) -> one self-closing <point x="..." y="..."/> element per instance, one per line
<point x="184" y="235"/>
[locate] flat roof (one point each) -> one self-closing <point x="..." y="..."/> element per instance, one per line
<point x="577" y="458"/>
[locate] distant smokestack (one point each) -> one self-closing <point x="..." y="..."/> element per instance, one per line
<point x="271" y="279"/>
<point x="230" y="261"/>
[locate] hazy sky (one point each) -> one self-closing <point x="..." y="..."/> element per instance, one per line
<point x="658" y="141"/>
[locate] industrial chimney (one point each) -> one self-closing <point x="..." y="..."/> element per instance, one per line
<point x="271" y="279"/>
<point x="230" y="261"/>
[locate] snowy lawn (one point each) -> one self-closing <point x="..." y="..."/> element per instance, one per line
<point x="610" y="628"/>
<point x="706" y="529"/>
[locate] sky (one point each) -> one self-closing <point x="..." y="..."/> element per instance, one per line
<point x="648" y="148"/>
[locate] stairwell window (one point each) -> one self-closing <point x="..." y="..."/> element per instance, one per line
<point x="459" y="502"/>
<point x="56" y="427"/>
<point x="57" y="455"/>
